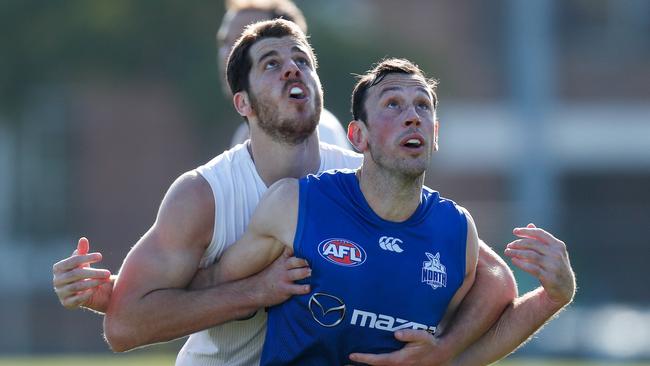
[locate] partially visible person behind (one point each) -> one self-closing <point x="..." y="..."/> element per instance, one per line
<point x="239" y="14"/>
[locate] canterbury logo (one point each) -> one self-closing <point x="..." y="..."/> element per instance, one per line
<point x="391" y="244"/>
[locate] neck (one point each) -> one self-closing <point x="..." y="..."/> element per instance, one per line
<point x="276" y="160"/>
<point x="391" y="196"/>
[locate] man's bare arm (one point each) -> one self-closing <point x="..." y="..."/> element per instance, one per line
<point x="494" y="289"/>
<point x="150" y="300"/>
<point x="545" y="257"/>
<point x="270" y="232"/>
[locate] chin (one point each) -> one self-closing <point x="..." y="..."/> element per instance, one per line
<point x="413" y="170"/>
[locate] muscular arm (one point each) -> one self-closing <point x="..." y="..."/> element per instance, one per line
<point x="150" y="302"/>
<point x="270" y="231"/>
<point x="545" y="257"/>
<point x="493" y="290"/>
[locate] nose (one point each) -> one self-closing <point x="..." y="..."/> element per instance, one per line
<point x="412" y="118"/>
<point x="291" y="71"/>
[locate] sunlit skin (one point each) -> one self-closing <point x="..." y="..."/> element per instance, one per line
<point x="400" y="108"/>
<point x="281" y="66"/>
<point x="400" y="135"/>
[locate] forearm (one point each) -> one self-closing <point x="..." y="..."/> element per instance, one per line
<point x="522" y="318"/>
<point x="493" y="290"/>
<point x="167" y="314"/>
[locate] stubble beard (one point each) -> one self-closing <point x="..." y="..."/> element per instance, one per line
<point x="286" y="131"/>
<point x="402" y="168"/>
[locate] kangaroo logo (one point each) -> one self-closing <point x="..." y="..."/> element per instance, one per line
<point x="390" y="244"/>
<point x="434" y="272"/>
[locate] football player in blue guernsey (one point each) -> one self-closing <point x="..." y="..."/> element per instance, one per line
<point x="386" y="252"/>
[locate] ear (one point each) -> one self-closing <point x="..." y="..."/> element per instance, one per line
<point x="358" y="135"/>
<point x="242" y="103"/>
<point x="436" y="124"/>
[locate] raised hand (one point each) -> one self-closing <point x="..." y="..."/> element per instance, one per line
<point x="544" y="256"/>
<point x="77" y="284"/>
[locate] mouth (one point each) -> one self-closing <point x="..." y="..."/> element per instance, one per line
<point x="412" y="142"/>
<point x="297" y="91"/>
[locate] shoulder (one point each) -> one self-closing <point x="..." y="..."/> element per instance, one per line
<point x="189" y="192"/>
<point x="283" y="190"/>
<point x="443" y="202"/>
<point x="225" y="160"/>
<point x="276" y="207"/>
<point x="329" y="120"/>
<point x="462" y="212"/>
<point x="331" y="131"/>
<point x="335" y="157"/>
<point x="187" y="210"/>
<point x="472" y="238"/>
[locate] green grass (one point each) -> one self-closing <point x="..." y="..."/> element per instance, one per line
<point x="90" y="360"/>
<point x="543" y="362"/>
<point x="168" y="359"/>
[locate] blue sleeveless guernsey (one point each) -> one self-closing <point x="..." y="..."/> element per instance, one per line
<point x="370" y="276"/>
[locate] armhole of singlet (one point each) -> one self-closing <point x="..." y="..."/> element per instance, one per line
<point x="463" y="247"/>
<point x="302" y="213"/>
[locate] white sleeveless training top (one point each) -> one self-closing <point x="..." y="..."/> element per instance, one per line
<point x="237" y="189"/>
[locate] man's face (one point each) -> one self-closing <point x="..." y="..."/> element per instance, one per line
<point x="232" y="26"/>
<point x="402" y="130"/>
<point x="284" y="89"/>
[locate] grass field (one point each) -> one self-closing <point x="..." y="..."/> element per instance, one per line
<point x="155" y="360"/>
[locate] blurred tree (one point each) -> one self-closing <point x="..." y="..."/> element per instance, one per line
<point x="47" y="42"/>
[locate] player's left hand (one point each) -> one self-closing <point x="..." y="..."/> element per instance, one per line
<point x="545" y="257"/>
<point x="421" y="349"/>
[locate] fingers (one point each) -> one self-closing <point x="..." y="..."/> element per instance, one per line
<point x="525" y="255"/>
<point x="294" y="262"/>
<point x="533" y="232"/>
<point x="537" y="250"/>
<point x="299" y="273"/>
<point x="78" y="274"/>
<point x="298" y="289"/>
<point x="77" y="300"/>
<point x="74" y="288"/>
<point x="372" y="359"/>
<point x="76" y="261"/>
<point x="83" y="246"/>
<point x="413" y="335"/>
<point x="529" y="267"/>
<point x="526" y="249"/>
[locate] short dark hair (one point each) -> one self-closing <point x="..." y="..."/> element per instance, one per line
<point x="284" y="9"/>
<point x="240" y="62"/>
<point x="375" y="75"/>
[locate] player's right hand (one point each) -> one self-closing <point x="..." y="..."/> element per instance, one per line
<point x="275" y="284"/>
<point x="79" y="285"/>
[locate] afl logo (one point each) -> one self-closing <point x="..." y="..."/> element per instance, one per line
<point x="342" y="252"/>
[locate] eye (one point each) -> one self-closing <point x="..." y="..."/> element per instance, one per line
<point x="392" y="104"/>
<point x="302" y="61"/>
<point x="271" y="64"/>
<point x="424" y="106"/>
